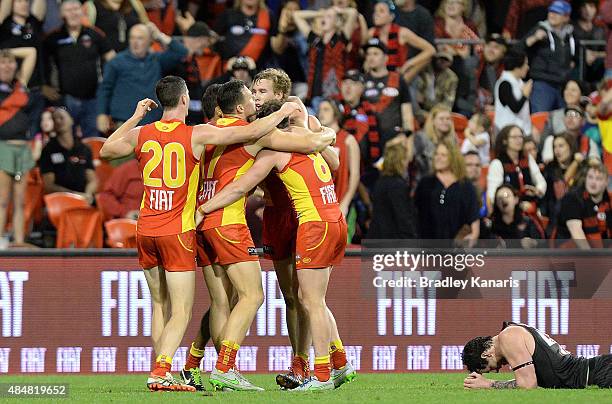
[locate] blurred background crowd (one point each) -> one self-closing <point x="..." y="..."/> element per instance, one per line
<point x="457" y="119"/>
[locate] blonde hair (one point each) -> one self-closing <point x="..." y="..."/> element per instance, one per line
<point x="395" y="160"/>
<point x="281" y="83"/>
<point x="430" y="131"/>
<point x="455" y="159"/>
<point x="467" y="8"/>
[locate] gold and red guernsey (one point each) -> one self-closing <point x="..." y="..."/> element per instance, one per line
<point x="170" y="175"/>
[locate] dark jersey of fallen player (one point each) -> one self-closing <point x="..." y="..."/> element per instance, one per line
<point x="554" y="366"/>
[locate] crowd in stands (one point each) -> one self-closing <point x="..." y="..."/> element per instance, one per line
<point x="456" y="119"/>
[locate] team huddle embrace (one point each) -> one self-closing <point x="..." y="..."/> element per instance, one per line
<point x="196" y="181"/>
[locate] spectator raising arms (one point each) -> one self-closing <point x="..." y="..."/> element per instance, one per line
<point x="77" y="52"/>
<point x="21" y="27"/>
<point x="15" y="155"/>
<point x="359" y="36"/>
<point x="552" y="52"/>
<point x="131" y="76"/>
<point x="446" y="201"/>
<point x="512" y="93"/>
<point x="327" y="31"/>
<point x="393" y="209"/>
<point x="399" y="41"/>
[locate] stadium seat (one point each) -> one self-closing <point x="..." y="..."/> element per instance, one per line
<point x="103" y="168"/>
<point x="460" y="122"/>
<point x="538" y="120"/>
<point x="78" y="224"/>
<point x="121" y="233"/>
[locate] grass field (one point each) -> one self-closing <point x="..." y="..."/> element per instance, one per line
<point x="367" y="388"/>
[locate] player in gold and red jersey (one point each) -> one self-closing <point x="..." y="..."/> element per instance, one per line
<point x="280" y="225"/>
<point x="168" y="154"/>
<point x="346" y="177"/>
<point x="229" y="255"/>
<point x="321" y="240"/>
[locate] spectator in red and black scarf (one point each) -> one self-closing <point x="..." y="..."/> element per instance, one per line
<point x="327" y="36"/>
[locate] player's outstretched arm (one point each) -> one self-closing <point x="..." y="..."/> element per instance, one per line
<point x="208" y="134"/>
<point x="299" y="140"/>
<point x="265" y="161"/>
<point x="123" y="140"/>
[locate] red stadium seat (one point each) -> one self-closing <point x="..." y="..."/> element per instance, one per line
<point x="103" y="168"/>
<point x="121" y="233"/>
<point x="539" y="119"/>
<point x="78" y="224"/>
<point x="460" y="122"/>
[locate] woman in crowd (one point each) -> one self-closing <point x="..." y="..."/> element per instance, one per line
<point x="572" y="94"/>
<point x="560" y="175"/>
<point x="446" y="202"/>
<point x="511" y="225"/>
<point x="289" y="46"/>
<point x="358" y="38"/>
<point x="514" y="167"/>
<point x="393" y="209"/>
<point x="438" y="127"/>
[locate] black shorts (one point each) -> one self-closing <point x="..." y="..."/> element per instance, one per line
<point x="600" y="371"/>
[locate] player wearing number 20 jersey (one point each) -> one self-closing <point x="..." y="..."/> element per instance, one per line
<point x="170" y="173"/>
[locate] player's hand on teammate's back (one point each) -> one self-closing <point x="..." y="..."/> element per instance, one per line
<point x="476" y="381"/>
<point x="289" y="108"/>
<point x="143" y="107"/>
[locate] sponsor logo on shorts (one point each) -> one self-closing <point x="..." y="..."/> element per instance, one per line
<point x="268" y="249"/>
<point x="306" y="260"/>
<point x="252" y="250"/>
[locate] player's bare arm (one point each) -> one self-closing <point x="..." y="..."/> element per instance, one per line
<point x="209" y="134"/>
<point x="123" y="140"/>
<point x="331" y="157"/>
<point x="298" y="140"/>
<point x="265" y="161"/>
<point x="513" y="344"/>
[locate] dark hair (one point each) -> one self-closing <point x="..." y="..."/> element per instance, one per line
<point x="169" y="90"/>
<point x="569" y="139"/>
<point x="581" y="85"/>
<point x="209" y="100"/>
<point x="269" y="107"/>
<point x="514" y="58"/>
<point x="338" y="115"/>
<point x="230" y="95"/>
<point x="472" y="353"/>
<point x="496" y="216"/>
<point x="471" y="153"/>
<point x="501" y="141"/>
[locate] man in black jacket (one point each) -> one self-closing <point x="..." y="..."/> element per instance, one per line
<point x="551" y="48"/>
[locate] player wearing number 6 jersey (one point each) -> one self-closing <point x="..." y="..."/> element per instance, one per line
<point x="321" y="238"/>
<point x="168" y="154"/>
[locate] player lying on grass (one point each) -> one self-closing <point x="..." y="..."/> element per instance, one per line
<point x="536" y="360"/>
<point x="168" y="154"/>
<point x="320" y="243"/>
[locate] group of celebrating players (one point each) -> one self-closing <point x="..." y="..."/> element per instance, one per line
<point x="196" y="180"/>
